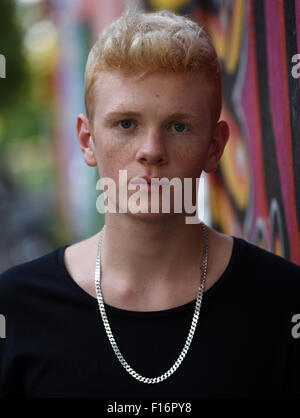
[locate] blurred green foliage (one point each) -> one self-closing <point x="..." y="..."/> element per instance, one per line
<point x="24" y="112"/>
<point x="15" y="86"/>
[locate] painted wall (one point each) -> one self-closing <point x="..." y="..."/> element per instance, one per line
<point x="255" y="192"/>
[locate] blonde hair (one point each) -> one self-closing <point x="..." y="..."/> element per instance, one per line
<point x="141" y="42"/>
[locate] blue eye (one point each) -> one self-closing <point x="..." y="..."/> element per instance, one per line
<point x="126" y="123"/>
<point x="180" y="125"/>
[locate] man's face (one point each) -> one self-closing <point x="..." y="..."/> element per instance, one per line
<point x="158" y="126"/>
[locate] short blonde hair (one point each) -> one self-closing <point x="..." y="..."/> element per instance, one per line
<point x="141" y="42"/>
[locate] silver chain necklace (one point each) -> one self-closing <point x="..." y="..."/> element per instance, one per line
<point x="192" y="328"/>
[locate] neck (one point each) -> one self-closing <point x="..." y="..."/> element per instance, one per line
<point x="143" y="255"/>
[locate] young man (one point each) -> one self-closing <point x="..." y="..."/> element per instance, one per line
<point x="118" y="314"/>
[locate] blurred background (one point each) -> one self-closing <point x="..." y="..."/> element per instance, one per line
<point x="48" y="193"/>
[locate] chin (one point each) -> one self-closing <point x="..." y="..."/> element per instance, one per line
<point x="152" y="217"/>
<point x="161" y="217"/>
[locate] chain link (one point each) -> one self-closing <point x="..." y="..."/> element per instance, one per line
<point x="193" y="326"/>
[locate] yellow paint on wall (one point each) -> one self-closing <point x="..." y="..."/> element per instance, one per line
<point x="219" y="43"/>
<point x="277" y="246"/>
<point x="222" y="212"/>
<point x="233" y="44"/>
<point x="167" y="4"/>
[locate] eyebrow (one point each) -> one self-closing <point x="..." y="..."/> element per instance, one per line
<point x="176" y="115"/>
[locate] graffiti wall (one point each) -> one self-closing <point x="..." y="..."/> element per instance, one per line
<point x="255" y="192"/>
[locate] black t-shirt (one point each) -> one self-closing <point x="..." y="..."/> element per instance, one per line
<point x="243" y="346"/>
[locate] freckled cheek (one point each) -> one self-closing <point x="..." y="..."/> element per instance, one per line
<point x="112" y="157"/>
<point x="189" y="162"/>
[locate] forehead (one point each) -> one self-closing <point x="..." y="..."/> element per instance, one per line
<point x="157" y="91"/>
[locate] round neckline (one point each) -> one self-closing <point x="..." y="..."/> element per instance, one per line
<point x="170" y="311"/>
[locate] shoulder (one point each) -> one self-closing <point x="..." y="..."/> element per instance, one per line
<point x="265" y="259"/>
<point x="18" y="279"/>
<point x="249" y="261"/>
<point x="266" y="270"/>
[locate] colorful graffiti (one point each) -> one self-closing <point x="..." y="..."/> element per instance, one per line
<point x="255" y="193"/>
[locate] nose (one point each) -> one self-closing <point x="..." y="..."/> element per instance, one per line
<point x="152" y="150"/>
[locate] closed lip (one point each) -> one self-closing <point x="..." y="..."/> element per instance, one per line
<point x="149" y="180"/>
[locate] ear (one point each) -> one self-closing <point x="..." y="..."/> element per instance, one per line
<point x="86" y="142"/>
<point x="216" y="146"/>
